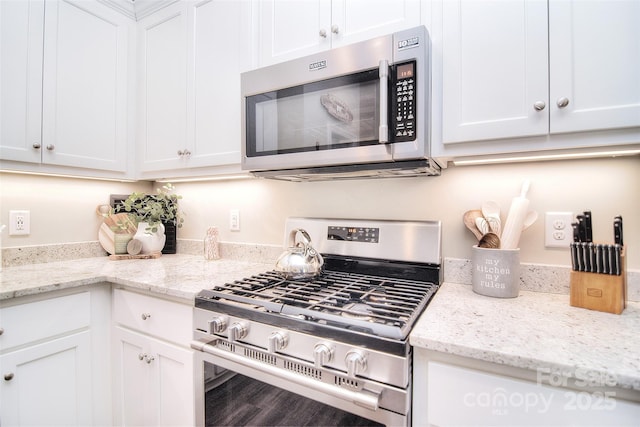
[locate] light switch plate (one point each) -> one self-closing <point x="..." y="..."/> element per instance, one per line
<point x="234" y="220"/>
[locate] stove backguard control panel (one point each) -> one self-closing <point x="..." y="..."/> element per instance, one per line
<point x="354" y="234"/>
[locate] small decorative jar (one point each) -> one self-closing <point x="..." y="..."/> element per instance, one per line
<point x="211" y="247"/>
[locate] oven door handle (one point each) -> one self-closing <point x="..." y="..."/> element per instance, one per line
<point x="366" y="398"/>
<point x="383" y="130"/>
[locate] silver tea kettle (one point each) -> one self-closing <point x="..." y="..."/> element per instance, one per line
<point x="301" y="260"/>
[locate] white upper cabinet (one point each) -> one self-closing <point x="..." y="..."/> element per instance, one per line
<point x="65" y="84"/>
<point x="494" y="70"/>
<point x="292" y="28"/>
<point x="162" y="96"/>
<point x="190" y="56"/>
<point x="22" y="29"/>
<point x="594" y="51"/>
<point x="529" y="75"/>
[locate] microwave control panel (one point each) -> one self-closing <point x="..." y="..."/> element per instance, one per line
<point x="404" y="101"/>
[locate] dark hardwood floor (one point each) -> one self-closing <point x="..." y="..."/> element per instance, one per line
<point x="242" y="401"/>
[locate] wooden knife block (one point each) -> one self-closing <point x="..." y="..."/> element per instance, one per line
<point x="601" y="292"/>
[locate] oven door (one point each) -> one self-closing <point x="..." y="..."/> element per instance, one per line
<point x="239" y="390"/>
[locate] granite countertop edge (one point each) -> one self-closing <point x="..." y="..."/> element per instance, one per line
<point x="557" y="340"/>
<point x="557" y="337"/>
<point x="178" y="276"/>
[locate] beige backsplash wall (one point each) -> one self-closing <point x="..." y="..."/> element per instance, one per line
<point x="62" y="210"/>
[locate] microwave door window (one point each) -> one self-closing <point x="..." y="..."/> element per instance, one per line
<point x="331" y="114"/>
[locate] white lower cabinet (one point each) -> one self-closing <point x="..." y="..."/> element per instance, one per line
<point x="52" y="360"/>
<point x="446" y="395"/>
<point x="48" y="383"/>
<point x="153" y="379"/>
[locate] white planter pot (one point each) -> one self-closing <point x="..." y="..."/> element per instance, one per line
<point x="151" y="242"/>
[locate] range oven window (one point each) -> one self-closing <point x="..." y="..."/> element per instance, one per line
<point x="238" y="400"/>
<point x="334" y="113"/>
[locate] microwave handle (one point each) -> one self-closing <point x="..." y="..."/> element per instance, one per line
<point x="383" y="131"/>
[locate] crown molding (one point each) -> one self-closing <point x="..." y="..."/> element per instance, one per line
<point x="137" y="9"/>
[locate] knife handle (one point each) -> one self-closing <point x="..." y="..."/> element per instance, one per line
<point x="617" y="230"/>
<point x="588" y="230"/>
<point x="618" y="249"/>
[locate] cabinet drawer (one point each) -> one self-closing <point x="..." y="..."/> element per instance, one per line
<point x="34" y="321"/>
<point x="165" y="319"/>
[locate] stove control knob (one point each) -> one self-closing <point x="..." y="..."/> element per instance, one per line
<point x="322" y="354"/>
<point x="218" y="325"/>
<point x="356" y="361"/>
<point x="277" y="341"/>
<point x="237" y="331"/>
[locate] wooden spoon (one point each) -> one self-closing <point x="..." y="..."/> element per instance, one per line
<point x="469" y="219"/>
<point x="490" y="240"/>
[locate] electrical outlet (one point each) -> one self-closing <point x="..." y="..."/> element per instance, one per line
<point x="19" y="223"/>
<point x="558" y="232"/>
<point x="234" y="220"/>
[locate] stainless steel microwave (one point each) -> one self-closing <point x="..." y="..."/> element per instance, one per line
<point x="356" y="111"/>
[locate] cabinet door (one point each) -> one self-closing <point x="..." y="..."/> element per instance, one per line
<point x="162" y="96"/>
<point x="214" y="94"/>
<point x="292" y="28"/>
<point x="49" y="383"/>
<point x="132" y="403"/>
<point x="153" y="382"/>
<point x="172" y="385"/>
<point x="594" y="64"/>
<point x="494" y="69"/>
<point x="85" y="85"/>
<point x="357" y="20"/>
<point x="462" y="396"/>
<point x="21" y="47"/>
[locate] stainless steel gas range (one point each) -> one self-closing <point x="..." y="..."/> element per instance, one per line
<point x="342" y="337"/>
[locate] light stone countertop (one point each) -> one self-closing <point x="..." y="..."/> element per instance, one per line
<point x="533" y="331"/>
<point x="179" y="276"/>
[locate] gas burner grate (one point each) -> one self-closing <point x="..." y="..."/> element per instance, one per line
<point x="383" y="306"/>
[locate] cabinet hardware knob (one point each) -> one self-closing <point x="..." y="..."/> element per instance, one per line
<point x="50" y="147"/>
<point x="335" y="29"/>
<point x="141" y="356"/>
<point x="36" y="145"/>
<point x="562" y="102"/>
<point x="8" y="377"/>
<point x="145" y="316"/>
<point x="149" y="359"/>
<point x="187" y="153"/>
<point x="539" y="105"/>
<point x="1" y="331"/>
<point x="323" y="33"/>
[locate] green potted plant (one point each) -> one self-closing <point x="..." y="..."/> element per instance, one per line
<point x="155" y="210"/>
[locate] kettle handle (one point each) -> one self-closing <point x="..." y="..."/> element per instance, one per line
<point x="305" y="236"/>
